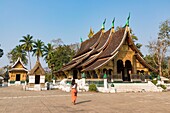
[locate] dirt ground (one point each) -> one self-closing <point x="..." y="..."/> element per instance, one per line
<point x="14" y="100"/>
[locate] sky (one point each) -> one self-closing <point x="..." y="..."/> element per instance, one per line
<point x="71" y="19"/>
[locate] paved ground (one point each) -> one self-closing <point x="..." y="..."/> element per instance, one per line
<point x="14" y="100"/>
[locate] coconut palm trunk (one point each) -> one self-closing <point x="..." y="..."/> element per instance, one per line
<point x="29" y="58"/>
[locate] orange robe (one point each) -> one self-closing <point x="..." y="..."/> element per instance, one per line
<point x="73" y="95"/>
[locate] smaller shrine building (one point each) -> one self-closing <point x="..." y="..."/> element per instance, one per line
<point x="18" y="73"/>
<point x="36" y="78"/>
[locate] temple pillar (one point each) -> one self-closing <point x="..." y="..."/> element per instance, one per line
<point x="98" y="73"/>
<point x="78" y="74"/>
<point x="134" y="70"/>
<point x="91" y="74"/>
<point x="115" y="67"/>
<point x="67" y="73"/>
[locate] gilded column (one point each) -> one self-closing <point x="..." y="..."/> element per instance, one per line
<point x="98" y="73"/>
<point x="134" y="65"/>
<point x="115" y="67"/>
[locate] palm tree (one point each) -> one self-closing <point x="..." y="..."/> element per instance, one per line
<point x="48" y="52"/>
<point x="27" y="45"/>
<point x="18" y="52"/>
<point x="1" y="52"/>
<point x="38" y="49"/>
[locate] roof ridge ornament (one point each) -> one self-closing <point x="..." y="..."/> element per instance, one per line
<point x="113" y="25"/>
<point x="81" y="40"/>
<point x="127" y="21"/>
<point x="103" y="25"/>
<point x="91" y="33"/>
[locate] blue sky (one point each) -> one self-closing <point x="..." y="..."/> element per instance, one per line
<point x="72" y="19"/>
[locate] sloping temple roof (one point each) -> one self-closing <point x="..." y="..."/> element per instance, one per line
<point x="101" y="48"/>
<point x="36" y="68"/>
<point x="18" y="66"/>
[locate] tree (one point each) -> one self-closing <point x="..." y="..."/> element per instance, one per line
<point x="17" y="52"/>
<point x="158" y="47"/>
<point x="60" y="56"/>
<point x="48" y="52"/>
<point x="74" y="47"/>
<point x="1" y="52"/>
<point x="38" y="49"/>
<point x="27" y="45"/>
<point x="57" y="42"/>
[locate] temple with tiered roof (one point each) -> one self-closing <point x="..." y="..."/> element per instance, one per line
<point x="110" y="52"/>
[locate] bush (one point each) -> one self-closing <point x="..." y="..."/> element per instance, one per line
<point x="112" y="85"/>
<point x="92" y="87"/>
<point x="154" y="82"/>
<point x="163" y="86"/>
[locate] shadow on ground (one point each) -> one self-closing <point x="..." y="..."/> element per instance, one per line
<point x="81" y="102"/>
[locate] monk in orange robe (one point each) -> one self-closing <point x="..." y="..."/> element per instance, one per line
<point x="73" y="91"/>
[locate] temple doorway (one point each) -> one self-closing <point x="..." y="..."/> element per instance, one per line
<point x="17" y="77"/>
<point x="120" y="69"/>
<point x="124" y="71"/>
<point x="37" y="79"/>
<point x="128" y="70"/>
<point x="74" y="74"/>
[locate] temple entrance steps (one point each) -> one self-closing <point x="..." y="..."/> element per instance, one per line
<point x="37" y="87"/>
<point x="136" y="87"/>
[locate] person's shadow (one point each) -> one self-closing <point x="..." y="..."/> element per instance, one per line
<point x="83" y="101"/>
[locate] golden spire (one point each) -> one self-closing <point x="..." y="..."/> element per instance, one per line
<point x="91" y="33"/>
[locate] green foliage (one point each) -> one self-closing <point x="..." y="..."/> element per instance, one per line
<point x="164" y="30"/>
<point x="149" y="60"/>
<point x="1" y="53"/>
<point x="154" y="82"/>
<point x="38" y="48"/>
<point x="60" y="56"/>
<point x="48" y="49"/>
<point x="138" y="45"/>
<point x="48" y="77"/>
<point x="92" y="87"/>
<point x="159" y="47"/>
<point x="112" y="85"/>
<point x="163" y="86"/>
<point x="27" y="45"/>
<point x="16" y="53"/>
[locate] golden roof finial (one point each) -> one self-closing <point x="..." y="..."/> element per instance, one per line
<point x="91" y="33"/>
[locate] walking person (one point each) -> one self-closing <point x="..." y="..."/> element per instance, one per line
<point x="73" y="91"/>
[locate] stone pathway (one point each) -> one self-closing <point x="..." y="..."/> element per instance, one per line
<point x="14" y="100"/>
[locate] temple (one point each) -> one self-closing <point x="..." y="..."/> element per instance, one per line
<point x="17" y="73"/>
<point x="36" y="78"/>
<point x="111" y="53"/>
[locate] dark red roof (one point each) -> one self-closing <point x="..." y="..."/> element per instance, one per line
<point x="101" y="48"/>
<point x="102" y="41"/>
<point x="86" y="45"/>
<point x="115" y="41"/>
<point x="95" y="64"/>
